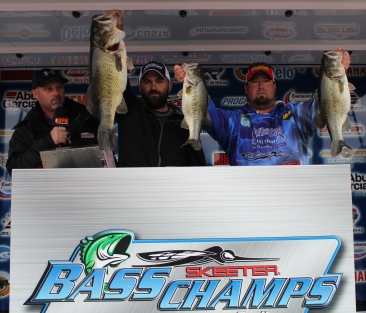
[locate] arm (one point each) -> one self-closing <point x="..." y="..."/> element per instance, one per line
<point x="131" y="101"/>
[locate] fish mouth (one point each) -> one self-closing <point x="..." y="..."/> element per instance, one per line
<point x="192" y="66"/>
<point x="117" y="247"/>
<point x="114" y="47"/>
<point x="103" y="18"/>
<point x="333" y="55"/>
<point x="105" y="250"/>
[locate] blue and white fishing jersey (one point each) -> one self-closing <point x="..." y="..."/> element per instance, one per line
<point x="279" y="137"/>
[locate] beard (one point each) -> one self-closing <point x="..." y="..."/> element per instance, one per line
<point x="155" y="100"/>
<point x="262" y="101"/>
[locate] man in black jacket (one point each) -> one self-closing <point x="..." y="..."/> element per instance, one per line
<point x="36" y="132"/>
<point x="150" y="133"/>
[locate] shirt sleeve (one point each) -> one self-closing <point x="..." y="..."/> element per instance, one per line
<point x="223" y="125"/>
<point x="306" y="112"/>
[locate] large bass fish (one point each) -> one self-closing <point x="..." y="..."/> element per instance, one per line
<point x="107" y="76"/>
<point x="334" y="99"/>
<point x="194" y="103"/>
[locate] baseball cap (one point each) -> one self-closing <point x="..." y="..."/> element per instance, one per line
<point x="157" y="67"/>
<point x="44" y="76"/>
<point x="260" y="67"/>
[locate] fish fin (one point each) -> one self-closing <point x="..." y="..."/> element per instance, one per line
<point x="106" y="139"/>
<point x="207" y="121"/>
<point x="351" y="86"/>
<point x="122" y="107"/>
<point x="90" y="105"/>
<point x="336" y="147"/>
<point x="89" y="267"/>
<point x="118" y="62"/>
<point x="184" y="124"/>
<point x="340" y="86"/>
<point x="180" y="93"/>
<point x="129" y="64"/>
<point x="346" y="125"/>
<point x="196" y="144"/>
<point x="319" y="120"/>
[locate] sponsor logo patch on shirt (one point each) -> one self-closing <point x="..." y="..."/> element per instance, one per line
<point x="244" y="120"/>
<point x="86" y="135"/>
<point x="287" y="115"/>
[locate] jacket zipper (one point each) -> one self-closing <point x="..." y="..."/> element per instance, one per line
<point x="160" y="137"/>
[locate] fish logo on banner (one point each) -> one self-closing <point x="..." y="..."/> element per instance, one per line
<point x="113" y="269"/>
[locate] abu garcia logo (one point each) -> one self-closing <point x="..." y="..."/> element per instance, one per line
<point x="358" y="182"/>
<point x="18" y="99"/>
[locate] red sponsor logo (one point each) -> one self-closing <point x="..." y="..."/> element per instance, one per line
<point x="221" y="159"/>
<point x="76" y="72"/>
<point x="10" y="95"/>
<point x="86" y="135"/>
<point x="231" y="271"/>
<point x="62" y="120"/>
<point x="175" y="100"/>
<point x="16" y="75"/>
<point x="292" y="163"/>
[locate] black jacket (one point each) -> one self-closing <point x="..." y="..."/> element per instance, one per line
<point x="144" y="142"/>
<point x="32" y="135"/>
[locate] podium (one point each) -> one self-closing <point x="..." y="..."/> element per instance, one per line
<point x="238" y="239"/>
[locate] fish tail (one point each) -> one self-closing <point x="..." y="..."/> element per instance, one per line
<point x="337" y="146"/>
<point x="107" y="139"/>
<point x="196" y="144"/>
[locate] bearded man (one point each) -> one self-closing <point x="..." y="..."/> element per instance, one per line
<point x="150" y="134"/>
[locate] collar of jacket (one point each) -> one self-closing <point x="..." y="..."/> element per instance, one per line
<point x="248" y="109"/>
<point x="175" y="109"/>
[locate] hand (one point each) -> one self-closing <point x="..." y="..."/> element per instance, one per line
<point x="59" y="135"/>
<point x="118" y="14"/>
<point x="179" y="74"/>
<point x="346" y="59"/>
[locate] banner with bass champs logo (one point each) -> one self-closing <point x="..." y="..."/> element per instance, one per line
<point x="112" y="267"/>
<point x="177" y="239"/>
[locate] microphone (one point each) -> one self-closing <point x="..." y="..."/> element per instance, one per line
<point x="61" y="119"/>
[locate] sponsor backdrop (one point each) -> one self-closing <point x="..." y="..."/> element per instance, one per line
<point x="225" y="86"/>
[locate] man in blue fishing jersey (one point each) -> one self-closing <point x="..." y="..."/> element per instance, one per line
<point x="264" y="131"/>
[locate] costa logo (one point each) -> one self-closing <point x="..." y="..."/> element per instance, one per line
<point x="76" y="72"/>
<point x="279" y="33"/>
